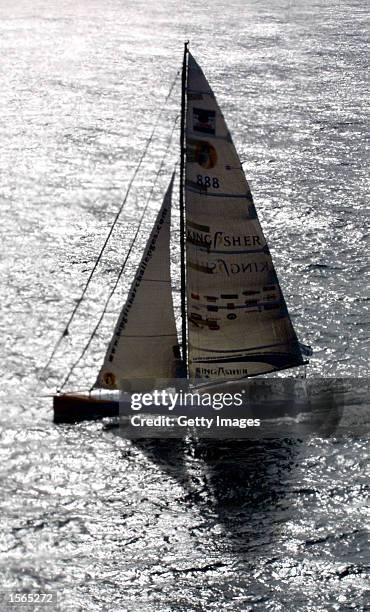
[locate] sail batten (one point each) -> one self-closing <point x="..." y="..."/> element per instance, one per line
<point x="233" y="294"/>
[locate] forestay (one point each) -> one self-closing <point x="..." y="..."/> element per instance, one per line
<point x="238" y="323"/>
<point x="144" y="341"/>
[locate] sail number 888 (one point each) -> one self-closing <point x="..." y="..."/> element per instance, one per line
<point x="208" y="181"/>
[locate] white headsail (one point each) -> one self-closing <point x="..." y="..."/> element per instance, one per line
<point x="144" y="341"/>
<point x="238" y="323"/>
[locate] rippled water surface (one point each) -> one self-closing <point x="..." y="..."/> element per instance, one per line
<point x="175" y="526"/>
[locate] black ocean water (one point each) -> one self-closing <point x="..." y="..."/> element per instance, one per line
<point x="113" y="525"/>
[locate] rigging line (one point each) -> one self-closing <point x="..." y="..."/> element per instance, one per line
<point x="79" y="301"/>
<point x="74" y="365"/>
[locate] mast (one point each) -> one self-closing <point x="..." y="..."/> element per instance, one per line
<point x="182" y="212"/>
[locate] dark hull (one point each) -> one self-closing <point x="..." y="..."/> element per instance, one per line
<point x="70" y="408"/>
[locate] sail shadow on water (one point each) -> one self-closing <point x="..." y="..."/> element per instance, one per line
<point x="235" y="484"/>
<point x="238" y="487"/>
<point x="245" y="480"/>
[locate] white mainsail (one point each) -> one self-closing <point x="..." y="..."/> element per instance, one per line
<point x="238" y="323"/>
<point x="144" y="342"/>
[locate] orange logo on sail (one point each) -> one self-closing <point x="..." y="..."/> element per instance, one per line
<point x="205" y="155"/>
<point x="109" y="379"/>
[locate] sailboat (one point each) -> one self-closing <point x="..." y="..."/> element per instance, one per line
<point x="235" y="321"/>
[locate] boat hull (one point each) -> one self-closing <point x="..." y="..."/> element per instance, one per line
<point x="72" y="408"/>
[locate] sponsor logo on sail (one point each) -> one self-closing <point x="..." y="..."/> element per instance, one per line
<point x="230" y="269"/>
<point x="205" y="154"/>
<point x="204" y="121"/>
<point x="220" y="239"/>
<point x="220" y="371"/>
<point x="109" y="379"/>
